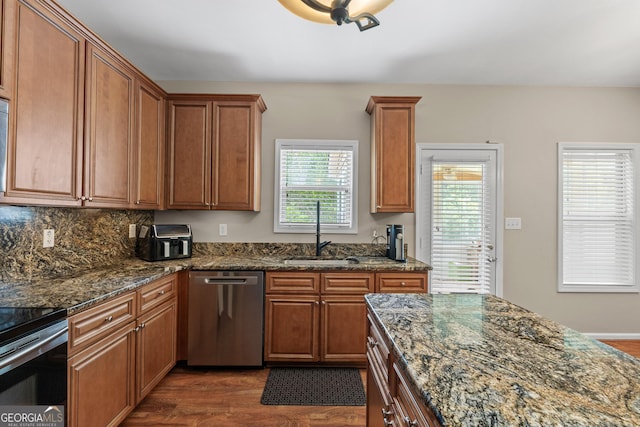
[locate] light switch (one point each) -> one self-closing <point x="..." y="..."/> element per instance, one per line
<point x="222" y="230"/>
<point x="512" y="223"/>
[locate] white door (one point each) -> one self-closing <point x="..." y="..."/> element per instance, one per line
<point x="459" y="209"/>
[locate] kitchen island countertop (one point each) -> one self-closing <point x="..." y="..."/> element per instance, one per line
<point x="481" y="361"/>
<point x="78" y="291"/>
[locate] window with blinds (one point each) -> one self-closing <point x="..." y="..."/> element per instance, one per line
<point x="462" y="240"/>
<point x="309" y="172"/>
<point x="597" y="218"/>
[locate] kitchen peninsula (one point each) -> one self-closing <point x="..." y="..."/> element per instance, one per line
<point x="478" y="360"/>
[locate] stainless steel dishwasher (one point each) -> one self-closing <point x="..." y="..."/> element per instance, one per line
<point x="226" y="312"/>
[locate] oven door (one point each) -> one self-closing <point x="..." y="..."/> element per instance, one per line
<point x="33" y="368"/>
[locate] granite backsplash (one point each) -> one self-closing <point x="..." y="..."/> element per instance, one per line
<point x="83" y="238"/>
<point x="86" y="238"/>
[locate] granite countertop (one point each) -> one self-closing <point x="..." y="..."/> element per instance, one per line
<point x="80" y="290"/>
<point x="481" y="361"/>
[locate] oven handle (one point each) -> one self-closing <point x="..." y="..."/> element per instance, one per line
<point x="24" y="353"/>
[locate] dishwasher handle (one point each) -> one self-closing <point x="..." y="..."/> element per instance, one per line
<point x="231" y="280"/>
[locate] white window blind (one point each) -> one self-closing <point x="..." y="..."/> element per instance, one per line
<point x="462" y="238"/>
<point x="312" y="171"/>
<point x="597" y="221"/>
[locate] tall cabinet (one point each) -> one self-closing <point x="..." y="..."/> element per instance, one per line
<point x="214" y="152"/>
<point x="393" y="149"/>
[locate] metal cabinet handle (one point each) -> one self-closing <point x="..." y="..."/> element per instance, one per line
<point x="372" y="343"/>
<point x="386" y="412"/>
<point x="108" y="319"/>
<point x="136" y="329"/>
<point x="410" y="423"/>
<point x="403" y="284"/>
<point x="161" y="292"/>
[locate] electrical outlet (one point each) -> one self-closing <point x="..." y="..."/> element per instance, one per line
<point x="48" y="238"/>
<point x="512" y="223"/>
<point x="132" y="231"/>
<point x="222" y="229"/>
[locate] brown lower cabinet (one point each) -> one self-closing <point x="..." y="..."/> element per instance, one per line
<point x="321" y="317"/>
<point x="118" y="351"/>
<point x="391" y="401"/>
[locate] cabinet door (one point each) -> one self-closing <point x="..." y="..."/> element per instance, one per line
<point x="344" y="329"/>
<point x="101" y="381"/>
<point x="149" y="147"/>
<point x="109" y="131"/>
<point x="46" y="110"/>
<point x="189" y="178"/>
<point x="156" y="347"/>
<point x="291" y="328"/>
<point x="7" y="21"/>
<point x="393" y="153"/>
<point x="236" y="156"/>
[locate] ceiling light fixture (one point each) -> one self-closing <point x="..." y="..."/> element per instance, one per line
<point x="338" y="11"/>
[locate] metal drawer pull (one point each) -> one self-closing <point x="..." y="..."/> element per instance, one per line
<point x="161" y="292"/>
<point x="403" y="284"/>
<point x="108" y="319"/>
<point x="386" y="412"/>
<point x="372" y="343"/>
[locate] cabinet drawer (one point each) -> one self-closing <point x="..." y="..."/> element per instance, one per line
<point x="292" y="282"/>
<point x="347" y="283"/>
<point x="402" y="282"/>
<point x="155" y="293"/>
<point x="377" y="347"/>
<point x="89" y="326"/>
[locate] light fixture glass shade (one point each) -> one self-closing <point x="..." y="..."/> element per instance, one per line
<point x="356" y="7"/>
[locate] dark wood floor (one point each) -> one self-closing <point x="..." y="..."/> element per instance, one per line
<point x="188" y="397"/>
<point x="202" y="398"/>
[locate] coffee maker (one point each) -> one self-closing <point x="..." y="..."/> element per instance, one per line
<point x="395" y="242"/>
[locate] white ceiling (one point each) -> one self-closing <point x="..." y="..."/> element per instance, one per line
<point x="530" y="42"/>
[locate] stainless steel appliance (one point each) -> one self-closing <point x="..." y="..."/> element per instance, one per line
<point x="395" y="242"/>
<point x="33" y="356"/>
<point x="160" y="242"/>
<point x="226" y="311"/>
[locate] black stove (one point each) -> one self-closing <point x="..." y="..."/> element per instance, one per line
<point x="18" y="321"/>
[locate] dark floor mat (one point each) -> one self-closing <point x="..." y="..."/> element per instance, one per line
<point x="314" y="387"/>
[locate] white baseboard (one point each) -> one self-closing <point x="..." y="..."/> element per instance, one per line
<point x="613" y="336"/>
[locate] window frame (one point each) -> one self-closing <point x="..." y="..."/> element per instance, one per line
<point x="633" y="287"/>
<point x="318" y="144"/>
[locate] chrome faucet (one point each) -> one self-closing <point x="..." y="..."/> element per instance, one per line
<point x="319" y="246"/>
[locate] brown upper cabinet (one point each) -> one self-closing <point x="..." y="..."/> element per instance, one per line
<point x="44" y="149"/>
<point x="149" y="146"/>
<point x="7" y="8"/>
<point x="81" y="116"/>
<point x="109" y="130"/>
<point x="214" y="151"/>
<point x="392" y="153"/>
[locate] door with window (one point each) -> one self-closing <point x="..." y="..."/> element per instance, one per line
<point x="459" y="209"/>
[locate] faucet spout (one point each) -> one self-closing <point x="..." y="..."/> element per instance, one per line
<point x="319" y="246"/>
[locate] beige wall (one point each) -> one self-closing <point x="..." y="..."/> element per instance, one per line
<point x="528" y="121"/>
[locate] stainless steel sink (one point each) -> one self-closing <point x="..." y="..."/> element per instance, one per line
<point x="315" y="261"/>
